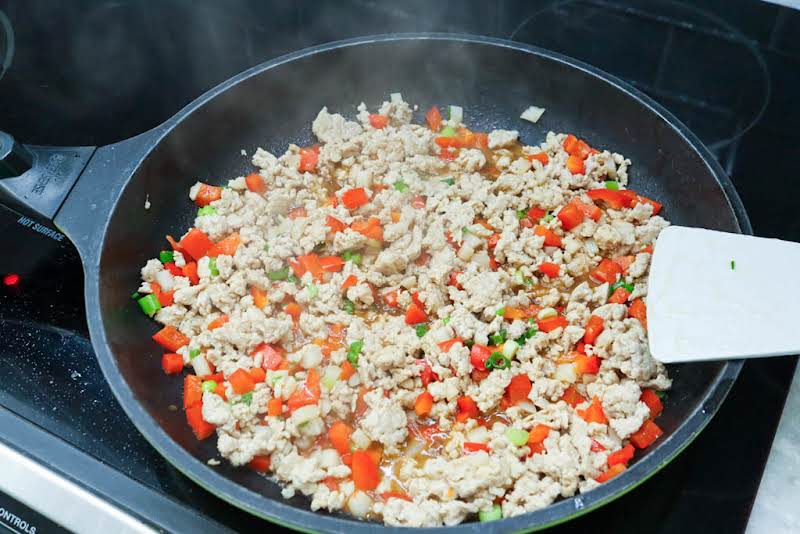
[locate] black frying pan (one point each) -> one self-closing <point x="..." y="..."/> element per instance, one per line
<point x="97" y="196"/>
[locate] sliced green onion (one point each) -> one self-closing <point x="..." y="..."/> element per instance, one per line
<point x="521" y="214"/>
<point x="447" y="131"/>
<point x="266" y="248"/>
<point x="330" y="376"/>
<point x="529" y="333"/>
<point x="135" y="295"/>
<point x="422" y="329"/>
<point x="499" y="337"/>
<point x="353" y="351"/>
<point x="618" y="284"/>
<point x="349" y="255"/>
<point x="348" y="306"/>
<point x="612" y="184"/>
<point x="212" y="266"/>
<point x="401" y="186"/>
<point x="468" y="343"/>
<point x="449" y="181"/>
<point x="547" y="218"/>
<point x="313" y="291"/>
<point x="456" y="114"/>
<point x="166" y="256"/>
<point x="292" y="278"/>
<point x="194" y="353"/>
<point x="492" y="514"/>
<point x="465" y="230"/>
<point x="280" y="274"/>
<point x="206" y="210"/>
<point x="446" y="320"/>
<point x="500" y="312"/>
<point x="498" y="361"/>
<point x="733" y="265"/>
<point x="149" y="305"/>
<point x="277" y="376"/>
<point x="209" y="386"/>
<point x="246" y="398"/>
<point x="516" y="436"/>
<point x="661" y="394"/>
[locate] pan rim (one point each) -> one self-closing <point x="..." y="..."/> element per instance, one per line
<point x="281" y="512"/>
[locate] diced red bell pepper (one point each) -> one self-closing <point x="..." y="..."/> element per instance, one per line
<point x="298" y="213"/>
<point x="550" y="269"/>
<point x="638" y="310"/>
<point x="309" y="157"/>
<point x="241" y="381"/>
<point x="311" y="264"/>
<point x="453" y="279"/>
<point x="355" y="198"/>
<point x="423" y="404"/>
<point x="207" y="194"/>
<point x="306" y="394"/>
<point x="335" y="224"/>
<point x="570" y="143"/>
<point x="260" y="464"/>
<point x="572" y="397"/>
<point x="622" y="198"/>
<point x="594" y="413"/>
<point x="386" y="495"/>
<point x="478" y="356"/>
<point x="518" y="389"/>
<point x="196" y="243"/>
<point x="447" y="345"/>
<point x="347" y="370"/>
<point x="378" y="121"/>
<point x="226" y="247"/>
<point x="471" y="446"/>
<point x="350" y="281"/>
<point x="366" y="475"/>
<point x="294" y="310"/>
<point x="570" y="216"/>
<point x="219" y="321"/>
<point x="593" y="329"/>
<point x="622" y="456"/>
<point x="536" y="437"/>
<point x="619" y="296"/>
<point x="612" y="471"/>
<point x="201" y="428"/>
<point x="170" y="338"/>
<point x="415" y="315"/>
<point x="624" y="261"/>
<point x="192" y="391"/>
<point x="259" y="297"/>
<point x="492" y="241"/>
<point x="551" y="323"/>
<point x="173" y="269"/>
<point x="550" y="237"/>
<point x="434" y="119"/>
<point x="172" y="363"/>
<point x="271" y="358"/>
<point x="653" y="402"/>
<point x="646" y="435"/>
<point x="588" y="209"/>
<point x="339" y="434"/>
<point x="274" y="407"/>
<point x="596" y="446"/>
<point x="478" y="375"/>
<point x="258" y="374"/>
<point x="467" y="409"/>
<point x="540" y="157"/>
<point x="587" y="365"/>
<point x="255" y="183"/>
<point x="331" y="264"/>
<point x="575" y="165"/>
<point x="607" y="271"/>
<point x="190" y="272"/>
<point x="426" y="374"/>
<point x="370" y="228"/>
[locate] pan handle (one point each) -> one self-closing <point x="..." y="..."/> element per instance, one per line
<point x="74" y="187"/>
<point x="36" y="180"/>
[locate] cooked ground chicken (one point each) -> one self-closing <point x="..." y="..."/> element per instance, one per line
<point x="485" y="297"/>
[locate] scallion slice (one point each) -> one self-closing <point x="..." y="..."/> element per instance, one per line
<point x="280" y="274"/>
<point x="521" y="214"/>
<point x="612" y="185"/>
<point x="135" y="295"/>
<point x="194" y="353"/>
<point x="209" y="386"/>
<point x="349" y="255"/>
<point x="401" y="186"/>
<point x="498" y="361"/>
<point x="149" y="304"/>
<point x="618" y="284"/>
<point x="206" y="210"/>
<point x="500" y="312"/>
<point x="492" y="514"/>
<point x="292" y="278"/>
<point x="516" y="436"/>
<point x="445" y="320"/>
<point x="447" y="131"/>
<point x="498" y="338"/>
<point x="166" y="256"/>
<point x="212" y="266"/>
<point x="313" y="291"/>
<point x="422" y="329"/>
<point x="449" y="181"/>
<point x="354" y="351"/>
<point x="348" y="306"/>
<point x="246" y="398"/>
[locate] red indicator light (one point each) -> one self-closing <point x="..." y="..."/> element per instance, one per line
<point x="11" y="279"/>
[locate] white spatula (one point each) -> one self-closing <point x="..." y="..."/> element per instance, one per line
<point x="714" y="295"/>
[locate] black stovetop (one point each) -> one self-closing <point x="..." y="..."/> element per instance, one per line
<point x="97" y="72"/>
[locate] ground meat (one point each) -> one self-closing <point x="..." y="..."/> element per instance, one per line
<point x="379" y="314"/>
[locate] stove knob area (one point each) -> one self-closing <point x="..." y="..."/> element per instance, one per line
<point x="15" y="159"/>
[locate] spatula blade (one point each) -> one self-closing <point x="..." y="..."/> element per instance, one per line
<point x="714" y="295"/>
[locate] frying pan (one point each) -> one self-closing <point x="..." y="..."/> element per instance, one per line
<point x="96" y="196"/>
